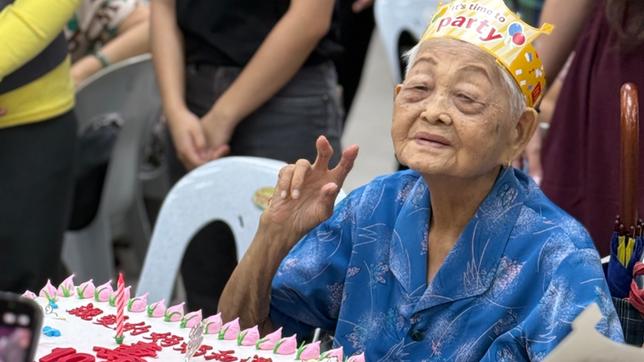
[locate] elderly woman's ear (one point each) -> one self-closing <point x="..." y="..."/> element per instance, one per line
<point x="522" y="133"/>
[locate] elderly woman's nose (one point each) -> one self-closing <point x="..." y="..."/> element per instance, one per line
<point x="436" y="109"/>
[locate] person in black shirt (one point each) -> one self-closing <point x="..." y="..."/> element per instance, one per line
<point x="241" y="77"/>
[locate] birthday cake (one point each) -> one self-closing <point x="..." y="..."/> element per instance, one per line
<point x="83" y="323"/>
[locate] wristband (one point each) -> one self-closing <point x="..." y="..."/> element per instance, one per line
<point x="102" y="58"/>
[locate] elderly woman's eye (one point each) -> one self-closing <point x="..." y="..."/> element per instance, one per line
<point x="465" y="98"/>
<point x="417" y="87"/>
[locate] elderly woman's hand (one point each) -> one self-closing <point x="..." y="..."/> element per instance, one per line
<point x="305" y="192"/>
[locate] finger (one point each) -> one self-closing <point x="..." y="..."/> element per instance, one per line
<point x="302" y="167"/>
<point x="324" y="153"/>
<point x="185" y="161"/>
<point x="187" y="153"/>
<point x="284" y="181"/>
<point x="329" y="194"/>
<point x="219" y="152"/>
<point x="346" y="163"/>
<point x="3" y="111"/>
<point x="200" y="143"/>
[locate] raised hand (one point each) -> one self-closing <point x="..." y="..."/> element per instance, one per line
<point x="305" y="192"/>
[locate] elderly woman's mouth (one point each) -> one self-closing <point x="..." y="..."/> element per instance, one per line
<point x="425" y="138"/>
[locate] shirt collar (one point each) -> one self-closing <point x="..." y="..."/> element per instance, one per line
<point x="469" y="269"/>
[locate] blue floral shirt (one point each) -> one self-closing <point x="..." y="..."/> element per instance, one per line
<point x="508" y="291"/>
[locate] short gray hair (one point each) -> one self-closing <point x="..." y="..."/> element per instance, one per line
<point x="517" y="100"/>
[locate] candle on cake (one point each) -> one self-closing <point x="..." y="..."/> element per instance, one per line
<point x="120" y="309"/>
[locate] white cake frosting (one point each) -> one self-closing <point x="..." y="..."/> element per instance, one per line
<point x="84" y="335"/>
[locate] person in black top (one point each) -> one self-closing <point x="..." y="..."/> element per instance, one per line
<point x="240" y="77"/>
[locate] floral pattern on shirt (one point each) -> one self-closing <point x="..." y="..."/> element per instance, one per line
<point x="508" y="291"/>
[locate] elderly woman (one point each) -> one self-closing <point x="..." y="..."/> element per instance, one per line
<point x="460" y="258"/>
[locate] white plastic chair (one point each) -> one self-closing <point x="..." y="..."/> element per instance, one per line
<point x="129" y="89"/>
<point x="219" y="190"/>
<point x="401" y="23"/>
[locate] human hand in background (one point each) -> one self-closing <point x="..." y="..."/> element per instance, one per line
<point x="189" y="139"/>
<point x="83" y="68"/>
<point x="305" y="193"/>
<point x="360" y="5"/>
<point x="218" y="130"/>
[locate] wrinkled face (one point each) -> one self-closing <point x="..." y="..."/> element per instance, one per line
<point x="452" y="112"/>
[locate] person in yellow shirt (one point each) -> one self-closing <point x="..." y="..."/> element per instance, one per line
<point x="37" y="140"/>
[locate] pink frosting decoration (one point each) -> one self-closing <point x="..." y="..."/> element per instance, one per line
<point x="49" y="291"/>
<point x="213" y="324"/>
<point x="357" y="358"/>
<point x="126" y="293"/>
<point x="310" y="351"/>
<point x="156" y="310"/>
<point x="230" y="330"/>
<point x="174" y="313"/>
<point x="191" y="319"/>
<point x="286" y="345"/>
<point x="29" y="294"/>
<point x="138" y="304"/>
<point x="248" y="337"/>
<point x="268" y="342"/>
<point x="337" y="353"/>
<point x="103" y="292"/>
<point x="66" y="288"/>
<point x="85" y="290"/>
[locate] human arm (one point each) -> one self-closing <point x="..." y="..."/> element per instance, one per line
<point x="569" y="18"/>
<point x="27" y="27"/>
<point x="132" y="39"/>
<point x="554" y="50"/>
<point x="304" y="197"/>
<point x="279" y="57"/>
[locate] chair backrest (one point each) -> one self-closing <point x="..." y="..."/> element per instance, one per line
<point x="129" y="89"/>
<point x="219" y="190"/>
<point x="400" y="24"/>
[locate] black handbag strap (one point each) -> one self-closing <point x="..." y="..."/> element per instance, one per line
<point x="48" y="59"/>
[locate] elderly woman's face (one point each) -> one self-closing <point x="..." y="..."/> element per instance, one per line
<point x="452" y="112"/>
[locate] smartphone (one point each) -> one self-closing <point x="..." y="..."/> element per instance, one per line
<point x="20" y="323"/>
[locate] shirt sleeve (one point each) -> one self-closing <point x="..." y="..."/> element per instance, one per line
<point x="27" y="27"/>
<point x="577" y="283"/>
<point x="308" y="286"/>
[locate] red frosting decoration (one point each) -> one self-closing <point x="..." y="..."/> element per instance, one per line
<point x="136" y="328"/>
<point x="77" y="357"/>
<point x="222" y="356"/>
<point x="203" y="349"/>
<point x="165" y="339"/>
<point x="67" y="355"/>
<point x="107" y="320"/>
<point x="256" y="358"/>
<point x="128" y="353"/>
<point x="86" y="312"/>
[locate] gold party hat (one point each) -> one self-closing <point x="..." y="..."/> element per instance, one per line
<point x="494" y="28"/>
